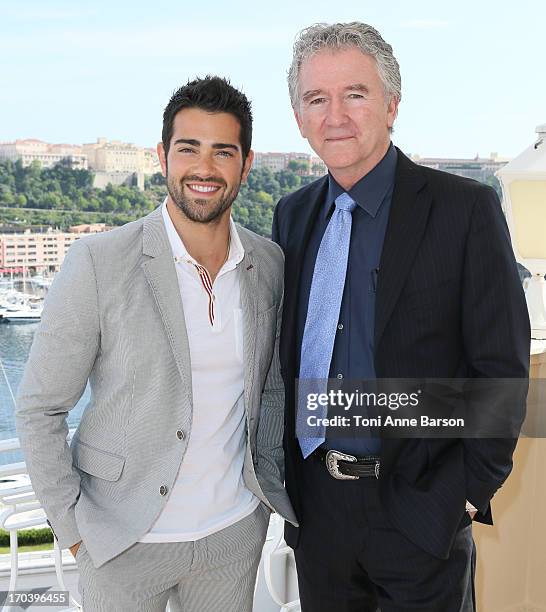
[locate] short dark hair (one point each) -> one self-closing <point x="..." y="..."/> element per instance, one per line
<point x="215" y="95"/>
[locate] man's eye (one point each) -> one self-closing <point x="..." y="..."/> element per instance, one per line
<point x="225" y="153"/>
<point x="186" y="150"/>
<point x="355" y="96"/>
<point x="316" y="101"/>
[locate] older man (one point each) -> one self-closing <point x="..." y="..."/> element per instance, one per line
<point x="392" y="271"/>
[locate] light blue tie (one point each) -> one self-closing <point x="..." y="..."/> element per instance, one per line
<point x="322" y="319"/>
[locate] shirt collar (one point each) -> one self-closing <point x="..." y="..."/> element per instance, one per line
<point x="370" y="191"/>
<point x="180" y="253"/>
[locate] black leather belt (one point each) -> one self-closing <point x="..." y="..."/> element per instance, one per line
<point x="347" y="467"/>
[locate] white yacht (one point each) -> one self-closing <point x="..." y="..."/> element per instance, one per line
<point x="21" y="308"/>
<point x="26" y="313"/>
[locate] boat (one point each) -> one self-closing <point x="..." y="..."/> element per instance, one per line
<point x="41" y="281"/>
<point x="26" y="312"/>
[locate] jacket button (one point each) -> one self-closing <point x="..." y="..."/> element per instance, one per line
<point x="180" y="434"/>
<point x="163" y="490"/>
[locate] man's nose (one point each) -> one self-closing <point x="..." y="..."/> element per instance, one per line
<point x="205" y="166"/>
<point x="336" y="115"/>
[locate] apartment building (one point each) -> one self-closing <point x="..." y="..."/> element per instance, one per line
<point x="30" y="150"/>
<point x="40" y="251"/>
<point x="277" y="161"/>
<point x="318" y="167"/>
<point x="116" y="156"/>
<point x="89" y="228"/>
<point x="477" y="168"/>
<point x="108" y="158"/>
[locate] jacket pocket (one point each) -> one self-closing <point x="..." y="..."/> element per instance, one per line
<point x="97" y="462"/>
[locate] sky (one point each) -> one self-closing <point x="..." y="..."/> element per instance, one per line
<point x="472" y="71"/>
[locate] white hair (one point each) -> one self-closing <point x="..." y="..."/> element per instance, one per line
<point x="342" y="36"/>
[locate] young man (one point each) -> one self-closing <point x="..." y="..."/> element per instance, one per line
<point x="392" y="271"/>
<point x="174" y="319"/>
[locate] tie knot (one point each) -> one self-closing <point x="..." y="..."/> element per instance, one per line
<point x="345" y="202"/>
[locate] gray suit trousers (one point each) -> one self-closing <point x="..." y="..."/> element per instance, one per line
<point x="213" y="574"/>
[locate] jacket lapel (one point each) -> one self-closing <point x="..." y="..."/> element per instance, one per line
<point x="407" y="221"/>
<point x="161" y="275"/>
<point x="248" y="285"/>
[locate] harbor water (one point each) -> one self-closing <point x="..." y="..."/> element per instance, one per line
<point x="15" y="343"/>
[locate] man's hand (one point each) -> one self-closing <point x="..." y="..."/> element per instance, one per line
<point x="74" y="549"/>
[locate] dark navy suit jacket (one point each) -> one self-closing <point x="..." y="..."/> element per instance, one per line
<point x="449" y="304"/>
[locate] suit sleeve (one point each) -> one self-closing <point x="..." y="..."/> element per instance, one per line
<point x="61" y="358"/>
<point x="496" y="336"/>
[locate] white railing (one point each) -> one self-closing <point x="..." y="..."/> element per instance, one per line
<point x="277" y="550"/>
<point x="18" y="499"/>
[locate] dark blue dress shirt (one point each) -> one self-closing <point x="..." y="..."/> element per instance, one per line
<point x="353" y="355"/>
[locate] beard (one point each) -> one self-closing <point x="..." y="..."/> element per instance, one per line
<point x="201" y="210"/>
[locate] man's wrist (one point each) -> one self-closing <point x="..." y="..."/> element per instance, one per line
<point x="66" y="529"/>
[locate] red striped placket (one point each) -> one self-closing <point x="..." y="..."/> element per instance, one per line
<point x="207" y="284"/>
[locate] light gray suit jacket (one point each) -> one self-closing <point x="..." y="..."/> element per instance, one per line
<point x="114" y="317"/>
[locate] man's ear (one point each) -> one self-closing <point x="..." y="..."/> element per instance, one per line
<point x="247" y="166"/>
<point x="299" y="121"/>
<point x="162" y="158"/>
<point x="392" y="111"/>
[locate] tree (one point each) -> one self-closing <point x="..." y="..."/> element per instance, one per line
<point x="299" y="167"/>
<point x="124" y="206"/>
<point x="316" y="168"/>
<point x="264" y="198"/>
<point x="288" y="181"/>
<point x="240" y="214"/>
<point x="6" y="196"/>
<point x="157" y="179"/>
<point x="50" y="200"/>
<point x="109" y="204"/>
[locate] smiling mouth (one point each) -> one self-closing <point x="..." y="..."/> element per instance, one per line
<point x="202" y="189"/>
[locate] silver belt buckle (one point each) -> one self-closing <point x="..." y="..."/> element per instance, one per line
<point x="332" y="458"/>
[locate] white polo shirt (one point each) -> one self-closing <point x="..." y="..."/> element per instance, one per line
<point x="209" y="493"/>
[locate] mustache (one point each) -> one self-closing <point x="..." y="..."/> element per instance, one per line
<point x="193" y="178"/>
